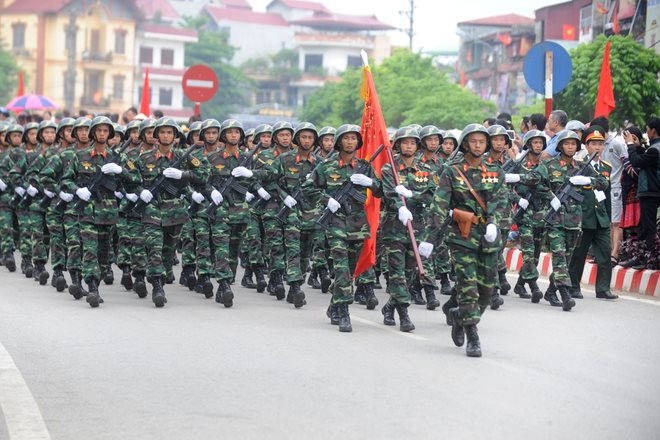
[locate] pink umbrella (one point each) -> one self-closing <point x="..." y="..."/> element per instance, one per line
<point x="31" y="102"/>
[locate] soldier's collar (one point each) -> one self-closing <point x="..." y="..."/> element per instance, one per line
<point x="310" y="158"/>
<point x="351" y="163"/>
<point x="159" y="155"/>
<point x="225" y="155"/>
<point x="95" y="152"/>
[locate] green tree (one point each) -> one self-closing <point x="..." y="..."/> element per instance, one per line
<point x="213" y="50"/>
<point x="410" y="90"/>
<point x="538" y="106"/>
<point x="8" y="75"/>
<point x="634" y="72"/>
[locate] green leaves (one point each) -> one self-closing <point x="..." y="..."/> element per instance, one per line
<point x="8" y="76"/>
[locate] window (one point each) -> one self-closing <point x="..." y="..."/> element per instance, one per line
<point x="167" y="57"/>
<point x="164" y="96"/>
<point x="95" y="41"/>
<point x="354" y="62"/>
<point x="313" y="63"/>
<point x="585" y="19"/>
<point x="118" y="87"/>
<point x="146" y="55"/>
<point x="18" y="37"/>
<point x="120" y="41"/>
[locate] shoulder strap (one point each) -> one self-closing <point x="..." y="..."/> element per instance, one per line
<point x="472" y="191"/>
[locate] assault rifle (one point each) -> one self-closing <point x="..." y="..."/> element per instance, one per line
<point x="297" y="194"/>
<point x="512" y="166"/>
<point x="24" y="200"/>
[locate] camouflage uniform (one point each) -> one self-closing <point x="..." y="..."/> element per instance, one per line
<point x="7" y="213"/>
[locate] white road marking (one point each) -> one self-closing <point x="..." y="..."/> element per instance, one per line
<point x="22" y="415"/>
<point x="388" y="329"/>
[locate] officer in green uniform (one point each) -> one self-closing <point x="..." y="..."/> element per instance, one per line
<point x="13" y="137"/>
<point x="473" y="236"/>
<point x="596" y="219"/>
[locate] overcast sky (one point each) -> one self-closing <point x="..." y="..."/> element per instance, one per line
<point x="435" y="20"/>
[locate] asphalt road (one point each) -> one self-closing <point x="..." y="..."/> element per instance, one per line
<point x="195" y="370"/>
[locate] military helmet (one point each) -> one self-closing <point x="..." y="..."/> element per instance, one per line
<point x="566" y="134"/>
<point x="65" y="122"/>
<point x="575" y="125"/>
<point x="101" y="120"/>
<point x="261" y="129"/>
<point x="209" y="123"/>
<point x="134" y="124"/>
<point x="531" y="134"/>
<point x="195" y="126"/>
<point x="231" y="123"/>
<point x="499" y="130"/>
<point x="167" y="122"/>
<point x="347" y="128"/>
<point x="473" y="128"/>
<point x="282" y="125"/>
<point x="406" y="132"/>
<point x="82" y="121"/>
<point x="44" y="125"/>
<point x="302" y="127"/>
<point x="30" y="126"/>
<point x="327" y="130"/>
<point x="145" y="125"/>
<point x="430" y="130"/>
<point x="120" y="130"/>
<point x="415" y="126"/>
<point x="3" y="126"/>
<point x="249" y="132"/>
<point x="14" y="128"/>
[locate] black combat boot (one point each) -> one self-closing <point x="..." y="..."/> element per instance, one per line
<point x="388" y="314"/>
<point x="504" y="283"/>
<point x="432" y="302"/>
<point x="93" y="297"/>
<point x="344" y="319"/>
<point x="536" y="292"/>
<point x="360" y="296"/>
<point x="457" y="334"/>
<point x="551" y="295"/>
<point x="496" y="300"/>
<point x="10" y="263"/>
<point x="333" y="313"/>
<point x="416" y="293"/>
<point x="126" y="279"/>
<point x="28" y="269"/>
<point x="52" y="280"/>
<point x="169" y="275"/>
<point x="191" y="279"/>
<point x="246" y="281"/>
<point x="261" y="279"/>
<point x="325" y="279"/>
<point x="224" y="294"/>
<point x="370" y="296"/>
<point x="277" y="285"/>
<point x="567" y="303"/>
<point x="473" y="348"/>
<point x="43" y="274"/>
<point x="377" y="284"/>
<point x="405" y="324"/>
<point x="576" y="292"/>
<point x="313" y="279"/>
<point x="157" y="292"/>
<point x="58" y="280"/>
<point x="108" y="276"/>
<point x="297" y="295"/>
<point x="182" y="277"/>
<point x="75" y="289"/>
<point x="139" y="285"/>
<point x="519" y="288"/>
<point x="445" y="285"/>
<point x="205" y="286"/>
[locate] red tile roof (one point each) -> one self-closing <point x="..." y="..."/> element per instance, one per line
<point x="151" y="7"/>
<point x="35" y="6"/>
<point x="170" y="30"/>
<point x="501" y="20"/>
<point x="300" y="4"/>
<point x="242" y="4"/>
<point x="343" y="21"/>
<point x="245" y="16"/>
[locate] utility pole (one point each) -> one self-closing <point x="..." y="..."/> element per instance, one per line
<point x="71" y="31"/>
<point x="410" y="13"/>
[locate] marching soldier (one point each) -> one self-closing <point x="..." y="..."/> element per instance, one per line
<point x="13" y="137"/>
<point x="326" y="142"/>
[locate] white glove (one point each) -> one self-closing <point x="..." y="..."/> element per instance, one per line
<point x="132" y="197"/>
<point x="66" y="196"/>
<point x="403" y="191"/>
<point x="333" y="205"/>
<point x="3" y="185"/>
<point x="405" y="215"/>
<point x="491" y="232"/>
<point x="119" y="195"/>
<point x="216" y="197"/>
<point x="425" y="248"/>
<point x="32" y="191"/>
<point x="146" y="196"/>
<point x="20" y="191"/>
<point x="555" y="203"/>
<point x="523" y="203"/>
<point x="249" y="196"/>
<point x="580" y="180"/>
<point x="362" y="180"/>
<point x="600" y="195"/>
<point x="290" y="201"/>
<point x="451" y="213"/>
<point x="512" y="178"/>
<point x="197" y="197"/>
<point x="242" y="172"/>
<point x="262" y="193"/>
<point x="49" y="194"/>
<point x="83" y="193"/>
<point x="173" y="173"/>
<point x="111" y="168"/>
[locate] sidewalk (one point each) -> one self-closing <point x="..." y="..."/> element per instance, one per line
<point x="645" y="282"/>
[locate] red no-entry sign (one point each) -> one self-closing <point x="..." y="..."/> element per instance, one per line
<point x="199" y="83"/>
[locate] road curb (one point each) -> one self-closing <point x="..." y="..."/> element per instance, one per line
<point x="645" y="282"/>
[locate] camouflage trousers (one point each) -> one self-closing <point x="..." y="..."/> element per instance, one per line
<point x="476" y="278"/>
<point x="131" y="249"/>
<point x="73" y="242"/>
<point x="25" y="233"/>
<point x="562" y="244"/>
<point x="124" y="247"/>
<point x="55" y="224"/>
<point x="226" y="239"/>
<point x="37" y="225"/>
<point x="344" y="256"/>
<point x="201" y="239"/>
<point x="187" y="240"/>
<point x="531" y="240"/>
<point x="501" y="264"/>
<point x="428" y="279"/>
<point x="441" y="260"/>
<point x="160" y="243"/>
<point x="257" y="247"/>
<point x="95" y="248"/>
<point x="6" y="230"/>
<point x="284" y="247"/>
<point x="320" y="255"/>
<point x="396" y="249"/>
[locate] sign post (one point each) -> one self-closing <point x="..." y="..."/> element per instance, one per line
<point x="548" y="83"/>
<point x="199" y="84"/>
<point x="548" y="69"/>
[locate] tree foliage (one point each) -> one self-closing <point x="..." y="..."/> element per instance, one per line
<point x="213" y="50"/>
<point x="410" y="90"/>
<point x="8" y="76"/>
<point x="634" y="72"/>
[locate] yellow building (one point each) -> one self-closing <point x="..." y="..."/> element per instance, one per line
<point x="94" y="37"/>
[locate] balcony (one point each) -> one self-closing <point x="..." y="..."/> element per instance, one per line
<point x="97" y="56"/>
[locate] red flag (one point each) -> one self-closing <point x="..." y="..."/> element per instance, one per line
<point x="505" y="38"/>
<point x="605" y="100"/>
<point x="616" y="26"/>
<point x="569" y="32"/>
<point x="21" y="91"/>
<point x="374" y="133"/>
<point x="601" y="9"/>
<point x="463" y="77"/>
<point x="144" y="101"/>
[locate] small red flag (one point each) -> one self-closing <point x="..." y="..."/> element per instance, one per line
<point x="616" y="26"/>
<point x="144" y="101"/>
<point x="569" y="32"/>
<point x="21" y="90"/>
<point x="601" y="9"/>
<point x="462" y="77"/>
<point x="505" y="38"/>
<point x="605" y="100"/>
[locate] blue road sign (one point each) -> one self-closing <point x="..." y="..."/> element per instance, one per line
<point x="534" y="67"/>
